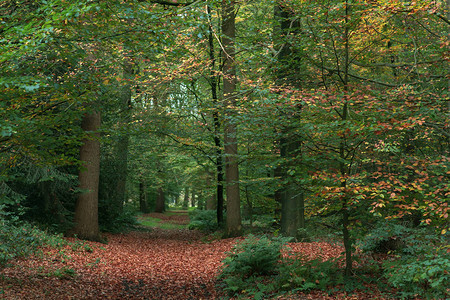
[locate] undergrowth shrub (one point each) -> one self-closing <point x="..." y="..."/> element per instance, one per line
<point x="63" y="273"/>
<point x="21" y="240"/>
<point x="249" y="259"/>
<point x="254" y="256"/>
<point x="116" y="220"/>
<point x="203" y="220"/>
<point x="422" y="269"/>
<point x="427" y="276"/>
<point x="119" y="221"/>
<point x="258" y="267"/>
<point x="385" y="237"/>
<point x="299" y="273"/>
<point x="420" y="259"/>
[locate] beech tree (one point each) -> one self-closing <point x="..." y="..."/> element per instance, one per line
<point x="291" y="194"/>
<point x="342" y="121"/>
<point x="340" y="107"/>
<point x="86" y="209"/>
<point x="234" y="227"/>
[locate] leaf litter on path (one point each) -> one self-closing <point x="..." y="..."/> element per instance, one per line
<point x="159" y="264"/>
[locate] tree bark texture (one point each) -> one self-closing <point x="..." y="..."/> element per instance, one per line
<point x="234" y="225"/>
<point x="143" y="207"/>
<point x="123" y="142"/>
<point x="160" y="205"/>
<point x="346" y="170"/>
<point x="193" y="199"/>
<point x="290" y="194"/>
<point x="211" y="203"/>
<point x="217" y="143"/>
<point x="186" y="198"/>
<point x="292" y="197"/>
<point x="86" y="209"/>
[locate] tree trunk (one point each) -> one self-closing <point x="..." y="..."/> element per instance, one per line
<point x="200" y="202"/>
<point x="211" y="202"/>
<point x="292" y="199"/>
<point x="345" y="170"/>
<point x="249" y="206"/>
<point x="210" y="199"/>
<point x="193" y="200"/>
<point x="123" y="143"/>
<point x="51" y="204"/>
<point x="234" y="225"/>
<point x="219" y="170"/>
<point x="86" y="209"/>
<point x="217" y="143"/>
<point x="290" y="194"/>
<point x="186" y="198"/>
<point x="176" y="199"/>
<point x="143" y="207"/>
<point x="160" y="205"/>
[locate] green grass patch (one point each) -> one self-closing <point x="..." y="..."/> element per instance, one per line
<point x="176" y="212"/>
<point x="158" y="223"/>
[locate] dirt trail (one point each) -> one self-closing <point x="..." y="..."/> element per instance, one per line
<point x="160" y="264"/>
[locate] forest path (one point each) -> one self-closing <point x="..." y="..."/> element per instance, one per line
<point x="173" y="219"/>
<point x="154" y="264"/>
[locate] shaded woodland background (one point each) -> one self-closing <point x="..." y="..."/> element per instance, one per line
<point x="304" y="119"/>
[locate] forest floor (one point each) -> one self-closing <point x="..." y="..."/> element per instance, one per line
<point x="150" y="264"/>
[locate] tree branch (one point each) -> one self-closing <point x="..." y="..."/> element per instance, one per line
<point x="170" y="3"/>
<point x="442" y="18"/>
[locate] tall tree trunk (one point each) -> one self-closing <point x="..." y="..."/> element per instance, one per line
<point x="86" y="209"/>
<point x="217" y="143"/>
<point x="160" y="205"/>
<point x="290" y="195"/>
<point x="176" y="199"/>
<point x="123" y="143"/>
<point x="200" y="202"/>
<point x="448" y="82"/>
<point x="193" y="200"/>
<point x="292" y="198"/>
<point x="344" y="169"/>
<point x="51" y="204"/>
<point x="234" y="225"/>
<point x="186" y="198"/>
<point x="211" y="202"/>
<point x="143" y="207"/>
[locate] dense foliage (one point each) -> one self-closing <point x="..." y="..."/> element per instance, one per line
<point x="23" y="240"/>
<point x="302" y="115"/>
<point x="262" y="267"/>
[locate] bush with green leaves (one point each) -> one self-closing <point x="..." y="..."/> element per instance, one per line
<point x="250" y="259"/>
<point x="21" y="240"/>
<point x="421" y="262"/>
<point x="422" y="269"/>
<point x="254" y="256"/>
<point x="299" y="273"/>
<point x="385" y="237"/>
<point x="62" y="273"/>
<point x="427" y="276"/>
<point x="257" y="267"/>
<point x="203" y="220"/>
<point x="117" y="221"/>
